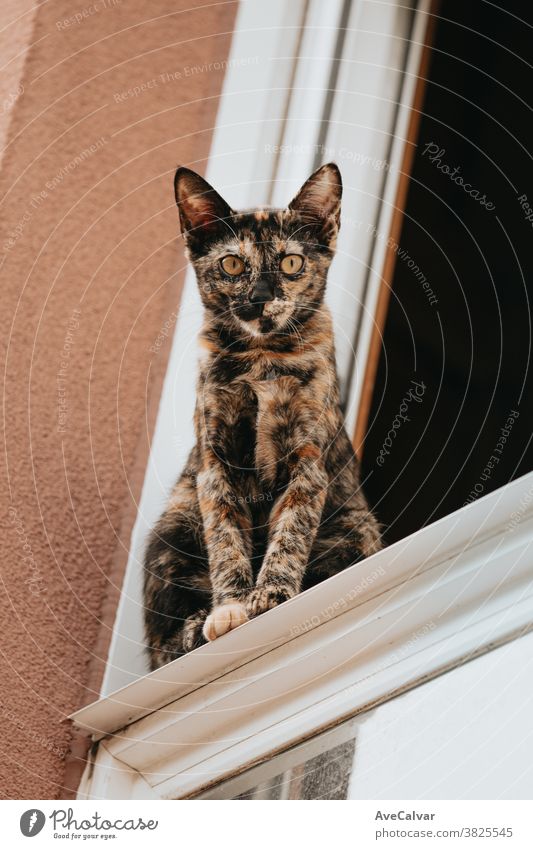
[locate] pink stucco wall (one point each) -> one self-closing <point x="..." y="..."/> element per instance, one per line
<point x="91" y="268"/>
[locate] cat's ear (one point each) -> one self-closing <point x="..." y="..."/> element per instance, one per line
<point x="319" y="199"/>
<point x="202" y="210"/>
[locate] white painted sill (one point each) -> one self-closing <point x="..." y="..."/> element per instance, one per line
<point x="432" y="601"/>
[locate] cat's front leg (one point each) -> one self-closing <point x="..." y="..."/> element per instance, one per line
<point x="227" y="528"/>
<point x="294" y="523"/>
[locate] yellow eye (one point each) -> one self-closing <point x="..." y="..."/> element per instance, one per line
<point x="292" y="264"/>
<point x="232" y="265"/>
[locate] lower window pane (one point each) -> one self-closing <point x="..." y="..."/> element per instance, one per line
<point x="325" y="776"/>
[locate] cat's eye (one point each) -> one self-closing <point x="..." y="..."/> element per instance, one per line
<point x="232" y="265"/>
<point x="292" y="263"/>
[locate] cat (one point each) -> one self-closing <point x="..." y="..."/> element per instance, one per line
<point x="269" y="502"/>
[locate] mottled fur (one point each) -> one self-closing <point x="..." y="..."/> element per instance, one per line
<point x="269" y="502"/>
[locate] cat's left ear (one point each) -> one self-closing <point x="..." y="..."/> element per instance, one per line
<point x="202" y="210"/>
<point x="319" y="199"/>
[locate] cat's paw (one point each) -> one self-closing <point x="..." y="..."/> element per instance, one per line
<point x="224" y="618"/>
<point x="265" y="598"/>
<point x="192" y="635"/>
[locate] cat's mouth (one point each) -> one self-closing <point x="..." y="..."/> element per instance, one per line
<point x="249" y="312"/>
<point x="264" y="317"/>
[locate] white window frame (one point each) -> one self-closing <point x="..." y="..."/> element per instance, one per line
<point x="342" y="647"/>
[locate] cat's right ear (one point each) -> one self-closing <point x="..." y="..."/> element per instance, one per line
<point x="202" y="210"/>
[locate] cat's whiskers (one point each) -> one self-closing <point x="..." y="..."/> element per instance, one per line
<point x="292" y="324"/>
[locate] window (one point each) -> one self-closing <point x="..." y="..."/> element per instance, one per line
<point x="320" y="768"/>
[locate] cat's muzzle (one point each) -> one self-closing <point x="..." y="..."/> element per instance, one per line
<point x="261" y="294"/>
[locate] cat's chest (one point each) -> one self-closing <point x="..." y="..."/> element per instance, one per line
<point x="268" y="427"/>
<point x="263" y="403"/>
<point x="271" y="397"/>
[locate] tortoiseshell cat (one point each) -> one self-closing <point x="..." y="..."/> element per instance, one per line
<point x="269" y="502"/>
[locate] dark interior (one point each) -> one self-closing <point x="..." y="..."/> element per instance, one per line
<point x="471" y="348"/>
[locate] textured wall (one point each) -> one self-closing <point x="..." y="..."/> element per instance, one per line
<point x="90" y="269"/>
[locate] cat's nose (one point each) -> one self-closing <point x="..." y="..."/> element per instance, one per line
<point x="262" y="292"/>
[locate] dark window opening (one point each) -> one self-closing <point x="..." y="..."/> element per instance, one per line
<point x="450" y="417"/>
